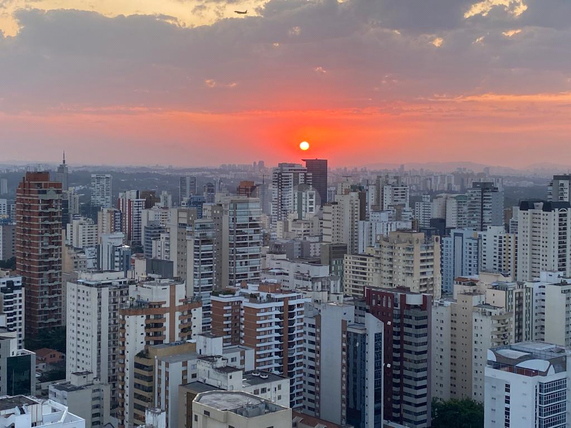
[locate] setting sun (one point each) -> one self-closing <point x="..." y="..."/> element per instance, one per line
<point x="304" y="145"/>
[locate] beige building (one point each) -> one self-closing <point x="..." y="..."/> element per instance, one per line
<point x="360" y="271"/>
<point x="498" y="251"/>
<point x="225" y="409"/>
<point x="463" y="330"/>
<point x="411" y="260"/>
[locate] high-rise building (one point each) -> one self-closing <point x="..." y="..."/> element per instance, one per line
<point x="360" y="271"/>
<point x="201" y="250"/>
<point x="157" y="312"/>
<point x="131" y="206"/>
<point x="550" y="307"/>
<point x="463" y="330"/>
<point x="7" y="240"/>
<point x="152" y="231"/>
<point x="423" y="211"/>
<point x="82" y="233"/>
<point x="341" y="220"/>
<point x="238" y="241"/>
<point x="406" y="318"/>
<point x="543" y="240"/>
<point x="485" y="206"/>
<point x="333" y="255"/>
<point x="39" y="250"/>
<point x="410" y="260"/>
<point x="101" y="190"/>
<point x="352" y="394"/>
<point x="93" y="302"/>
<point x="379" y="223"/>
<point x="237" y="318"/>
<point x="209" y="193"/>
<point x="559" y="189"/>
<point x="285" y="179"/>
<point x="180" y="220"/>
<point x="186" y="188"/>
<point x="318" y="170"/>
<point x="247" y="188"/>
<point x="457" y="211"/>
<point x="12" y="304"/>
<point x="460" y="257"/>
<point x="113" y="254"/>
<point x="392" y="194"/>
<point x="109" y="221"/>
<point x="3" y="186"/>
<point x="62" y="174"/>
<point x="527" y="386"/>
<point x="85" y="397"/>
<point x="499" y="251"/>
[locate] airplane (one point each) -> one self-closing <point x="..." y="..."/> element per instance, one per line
<point x="241" y="12"/>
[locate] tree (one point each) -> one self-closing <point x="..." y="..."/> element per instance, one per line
<point x="8" y="264"/>
<point x="53" y="339"/>
<point x="464" y="413"/>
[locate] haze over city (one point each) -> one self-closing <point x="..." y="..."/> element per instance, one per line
<point x="193" y="83"/>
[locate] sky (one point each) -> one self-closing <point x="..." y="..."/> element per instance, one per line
<point x="191" y="83"/>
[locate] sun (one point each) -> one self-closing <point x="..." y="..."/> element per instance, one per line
<point x="304" y="145"/>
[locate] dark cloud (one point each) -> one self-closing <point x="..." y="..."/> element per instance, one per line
<point x="372" y="51"/>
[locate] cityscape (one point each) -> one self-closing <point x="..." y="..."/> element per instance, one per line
<point x="294" y="294"/>
<point x="285" y="214"/>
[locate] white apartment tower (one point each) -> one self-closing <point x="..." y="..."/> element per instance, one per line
<point x="82" y="233"/>
<point x="527" y="386"/>
<point x="551" y="308"/>
<point x="101" y="190"/>
<point x="285" y="180"/>
<point x="544" y="239"/>
<point x="559" y="189"/>
<point x="93" y="302"/>
<point x="12" y="304"/>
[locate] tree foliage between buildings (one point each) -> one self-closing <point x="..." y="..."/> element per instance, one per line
<point x="8" y="263"/>
<point x="464" y="413"/>
<point x="53" y="339"/>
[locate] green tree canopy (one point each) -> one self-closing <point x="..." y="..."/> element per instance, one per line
<point x="464" y="413"/>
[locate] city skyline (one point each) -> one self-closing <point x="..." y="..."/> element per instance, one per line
<point x="361" y="81"/>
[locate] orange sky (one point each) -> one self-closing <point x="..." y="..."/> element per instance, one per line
<point x="185" y="83"/>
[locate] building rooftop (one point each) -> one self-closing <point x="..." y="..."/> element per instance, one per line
<point x="198" y="387"/>
<point x="7" y="403"/>
<point x="177" y="358"/>
<point x="256" y="377"/>
<point x="529" y="358"/>
<point x="241" y="403"/>
<point x="66" y="386"/>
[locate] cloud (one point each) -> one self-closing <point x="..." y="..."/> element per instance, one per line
<point x="62" y="59"/>
<point x="511" y="33"/>
<point x="484" y="7"/>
